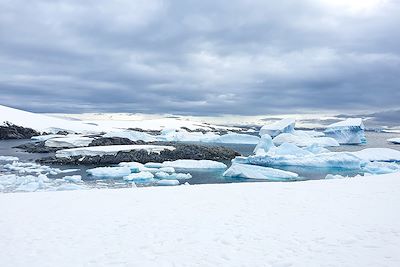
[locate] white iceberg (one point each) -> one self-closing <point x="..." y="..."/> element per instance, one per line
<point x="377" y="167"/>
<point x="378" y="154"/>
<point x="109" y="150"/>
<point x="73" y="178"/>
<point x="302" y="139"/>
<point x="235" y="138"/>
<point x="194" y="164"/>
<point x="172" y="176"/>
<point x="109" y="172"/>
<point x="394" y="140"/>
<point x="133" y="166"/>
<point x="276" y="128"/>
<point x="258" y="172"/>
<point x="350" y="131"/>
<point x="69" y="141"/>
<point x="167" y="182"/>
<point x="140" y="177"/>
<point x="264" y="145"/>
<point x="132" y="135"/>
<point x="153" y="165"/>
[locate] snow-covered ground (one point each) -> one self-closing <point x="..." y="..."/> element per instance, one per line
<point x="339" y="222"/>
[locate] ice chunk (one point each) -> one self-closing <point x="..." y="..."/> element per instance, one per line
<point x="335" y="176"/>
<point x="258" y="172"/>
<point x="378" y="154"/>
<point x="276" y="128"/>
<point x="69" y="141"/>
<point x="325" y="160"/>
<point x="377" y="167"/>
<point x="264" y="145"/>
<point x="132" y="135"/>
<point x="109" y="172"/>
<point x="133" y="166"/>
<point x="194" y="164"/>
<point x="301" y="139"/>
<point x="153" y="165"/>
<point x="173" y="176"/>
<point x="70" y="187"/>
<point x="29" y="187"/>
<point x="8" y="158"/>
<point x="350" y="131"/>
<point x="394" y="140"/>
<point x="140" y="176"/>
<point x="109" y="150"/>
<point x="289" y="149"/>
<point x="73" y="178"/>
<point x="235" y="138"/>
<point x="316" y="149"/>
<point x="167" y="182"/>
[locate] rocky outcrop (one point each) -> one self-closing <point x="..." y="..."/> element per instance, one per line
<point x="108" y="141"/>
<point x="182" y="151"/>
<point x="11" y="131"/>
<point x="37" y="147"/>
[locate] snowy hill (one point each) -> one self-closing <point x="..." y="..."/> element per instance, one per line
<point x="42" y="122"/>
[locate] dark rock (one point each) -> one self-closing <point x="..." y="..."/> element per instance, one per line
<point x="62" y="132"/>
<point x="182" y="151"/>
<point x="37" y="147"/>
<point x="11" y="131"/>
<point x="108" y="141"/>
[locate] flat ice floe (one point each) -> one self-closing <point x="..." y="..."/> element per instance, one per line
<point x="350" y="131"/>
<point x="109" y="150"/>
<point x="109" y="172"/>
<point x="378" y="154"/>
<point x="258" y="172"/>
<point x="69" y="141"/>
<point x="235" y="138"/>
<point x="394" y="140"/>
<point x="194" y="164"/>
<point x="276" y="128"/>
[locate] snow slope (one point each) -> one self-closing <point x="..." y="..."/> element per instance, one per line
<point x="339" y="222"/>
<point x="42" y="122"/>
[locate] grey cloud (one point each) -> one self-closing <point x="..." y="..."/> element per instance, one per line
<point x="199" y="57"/>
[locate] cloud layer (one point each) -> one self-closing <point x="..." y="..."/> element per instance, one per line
<point x="200" y="57"/>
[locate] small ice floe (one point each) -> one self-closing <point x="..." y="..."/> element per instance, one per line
<point x="109" y="150"/>
<point x="276" y="128"/>
<point x="377" y="167"/>
<point x="258" y="172"/>
<point x="350" y="131"/>
<point x="394" y="140"/>
<point x="194" y="164"/>
<point x="109" y="172"/>
<point x="378" y="154"/>
<point x="140" y="177"/>
<point x="30" y="167"/>
<point x="167" y="182"/>
<point x="8" y="158"/>
<point x="73" y="178"/>
<point x="172" y="176"/>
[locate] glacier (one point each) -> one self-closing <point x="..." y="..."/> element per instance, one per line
<point x="276" y="128"/>
<point x="350" y="131"/>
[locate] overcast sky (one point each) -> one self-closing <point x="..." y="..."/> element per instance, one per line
<point x="200" y="57"/>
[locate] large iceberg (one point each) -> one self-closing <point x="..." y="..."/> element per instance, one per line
<point x="276" y="128"/>
<point x="350" y="131"/>
<point x="303" y="139"/>
<point x="264" y="145"/>
<point x="258" y="172"/>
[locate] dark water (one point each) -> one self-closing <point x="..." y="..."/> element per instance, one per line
<point x="374" y="139"/>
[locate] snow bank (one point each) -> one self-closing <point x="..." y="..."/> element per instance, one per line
<point x="109" y="150"/>
<point x="132" y="135"/>
<point x="342" y="222"/>
<point x="378" y="154"/>
<point x="350" y="131"/>
<point x="194" y="164"/>
<point x="258" y="172"/>
<point x="276" y="128"/>
<point x="69" y="141"/>
<point x="42" y="122"/>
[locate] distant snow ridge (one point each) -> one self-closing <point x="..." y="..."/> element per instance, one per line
<point x="350" y="131"/>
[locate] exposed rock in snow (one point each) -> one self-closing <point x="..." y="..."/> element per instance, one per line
<point x="46" y="137"/>
<point x="302" y="139"/>
<point x="112" y="141"/>
<point x="378" y="154"/>
<point x="194" y="164"/>
<point x="394" y="140"/>
<point x="69" y="141"/>
<point x="258" y="172"/>
<point x="109" y="150"/>
<point x="350" y="131"/>
<point x="109" y="172"/>
<point x="11" y="131"/>
<point x="276" y="128"/>
<point x="132" y="135"/>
